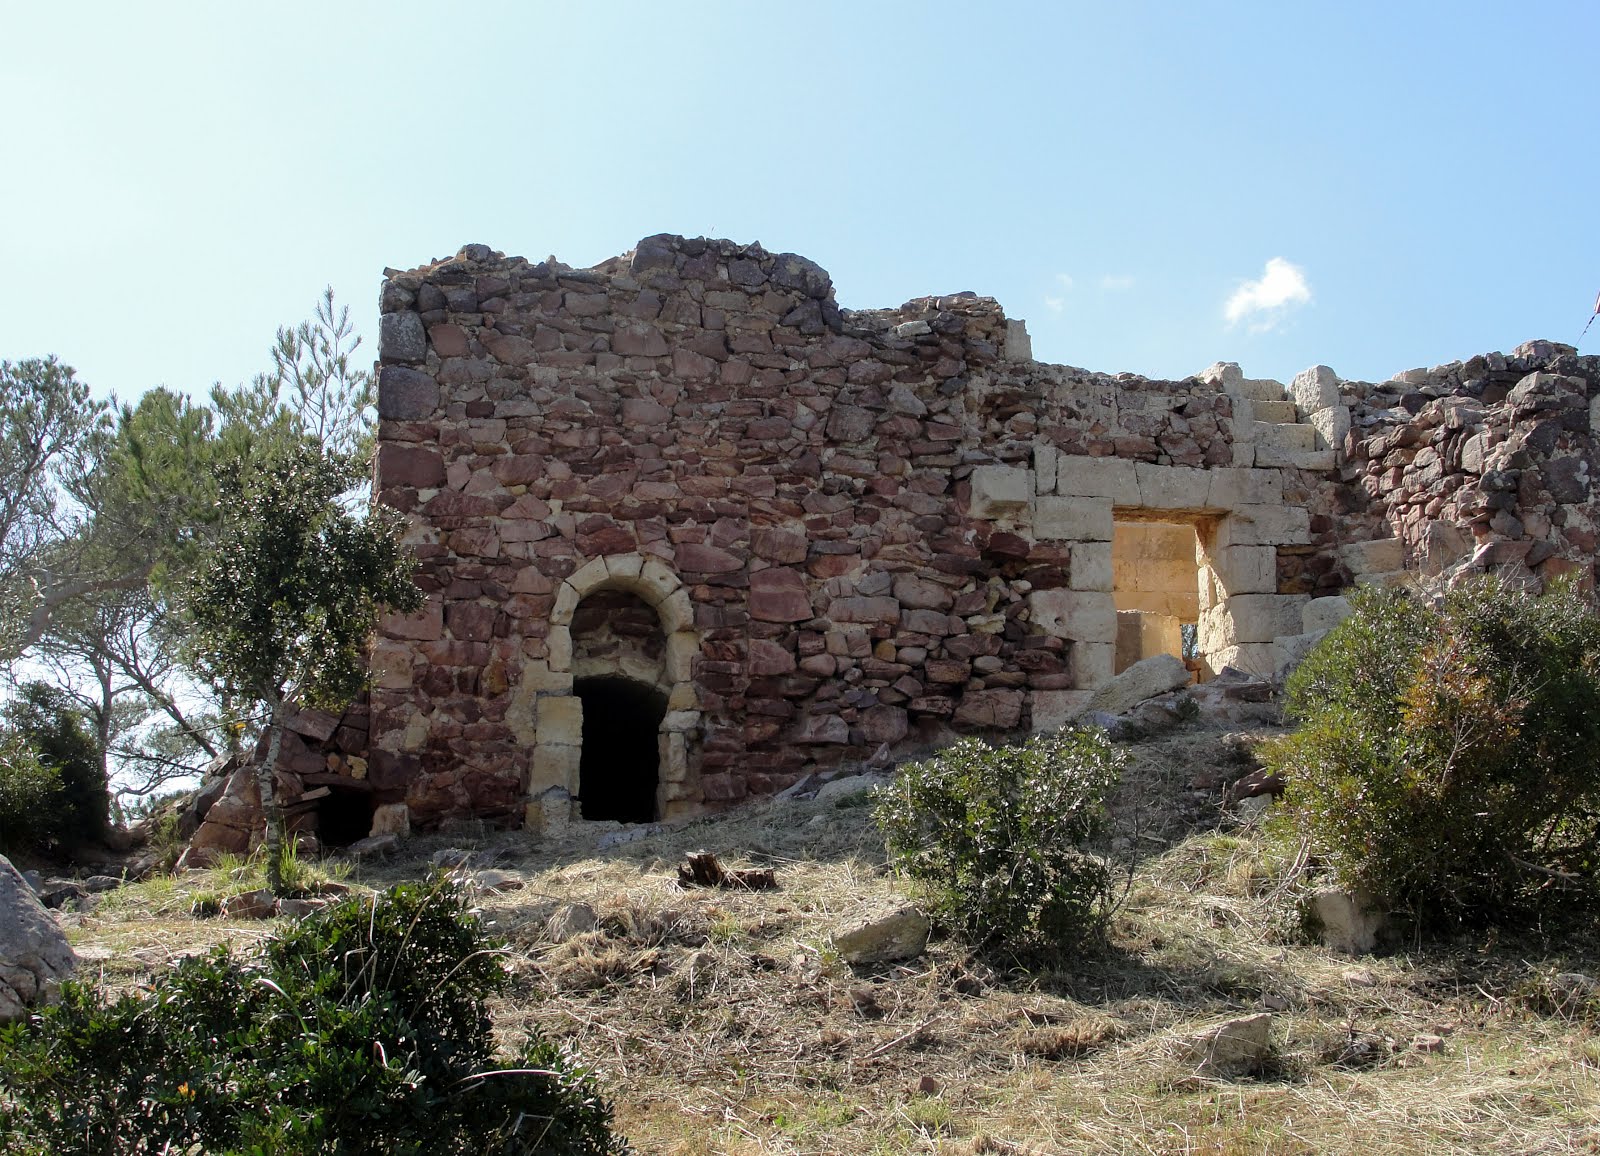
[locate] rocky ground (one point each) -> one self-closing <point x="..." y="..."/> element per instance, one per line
<point x="725" y="1021"/>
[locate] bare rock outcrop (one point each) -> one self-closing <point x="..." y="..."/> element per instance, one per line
<point x="34" y="954"/>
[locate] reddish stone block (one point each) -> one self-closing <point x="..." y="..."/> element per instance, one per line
<point x="779" y="595"/>
<point x="470" y="622"/>
<point x="409" y="465"/>
<point x="693" y="557"/>
<point x="768" y="658"/>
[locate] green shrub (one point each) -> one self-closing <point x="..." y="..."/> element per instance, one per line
<point x="359" y="1031"/>
<point x="44" y="722"/>
<point x="1447" y="759"/>
<point x="29" y="792"/>
<point x="994" y="837"/>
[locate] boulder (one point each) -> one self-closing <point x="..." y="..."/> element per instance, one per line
<point x="34" y="954"/>
<point x="1143" y="680"/>
<point x="260" y="904"/>
<point x="391" y="819"/>
<point x="1349" y="922"/>
<point x="844" y="788"/>
<point x="570" y="920"/>
<point x="882" y="936"/>
<point x="373" y="847"/>
<point x="1237" y="1047"/>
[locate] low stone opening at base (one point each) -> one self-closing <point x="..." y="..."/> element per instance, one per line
<point x="620" y="765"/>
<point x="344" y="817"/>
<point x="1155" y="572"/>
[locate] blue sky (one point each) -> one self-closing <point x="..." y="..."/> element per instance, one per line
<point x="1372" y="186"/>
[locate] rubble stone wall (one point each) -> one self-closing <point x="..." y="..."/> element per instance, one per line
<point x="861" y="532"/>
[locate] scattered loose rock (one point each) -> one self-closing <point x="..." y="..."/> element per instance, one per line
<point x="1235" y="1048"/>
<point x="569" y="921"/>
<point x="849" y="786"/>
<point x="262" y="904"/>
<point x="1350" y="924"/>
<point x="883" y="936"/>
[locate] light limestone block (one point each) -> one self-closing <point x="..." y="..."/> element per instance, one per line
<point x="591" y="574"/>
<point x="1054" y="709"/>
<point x="1275" y="412"/>
<point x="567" y="600"/>
<point x="1092" y="663"/>
<point x="1044" y="468"/>
<point x="1287" y="438"/>
<point x="625" y="565"/>
<point x="1142" y="634"/>
<point x="560" y="720"/>
<point x="1000" y="491"/>
<point x="676" y="611"/>
<point x="1224" y="373"/>
<point x="1244" y="454"/>
<point x="1331" y="425"/>
<point x="391" y="819"/>
<point x="1443" y="546"/>
<point x="673" y="749"/>
<point x="1381" y="556"/>
<point x="1091" y="566"/>
<point x="1320" y="460"/>
<point x="1397" y="578"/>
<point x="1323" y="614"/>
<point x="1143" y="680"/>
<point x="1081" y="615"/>
<point x="1078" y="476"/>
<point x="680" y="721"/>
<point x="1019" y="346"/>
<point x="391" y="666"/>
<point x="1260" y="389"/>
<point x="681" y="650"/>
<point x="1245" y="618"/>
<point x="683" y="697"/>
<point x="538" y="677"/>
<point x="1245" y="570"/>
<point x="1594" y="414"/>
<point x="1293" y="648"/>
<point x="553" y="765"/>
<point x="637" y="667"/>
<point x="558" y="648"/>
<point x="1315" y="388"/>
<point x="415" y="732"/>
<point x="1073" y="519"/>
<point x="1232" y="488"/>
<point x="1264" y="525"/>
<point x="1251" y="657"/>
<point x="657" y="582"/>
<point x="1171" y="487"/>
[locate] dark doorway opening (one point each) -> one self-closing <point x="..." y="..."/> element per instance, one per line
<point x="621" y="761"/>
<point x="343" y="817"/>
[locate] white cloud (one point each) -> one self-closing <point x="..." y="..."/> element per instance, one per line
<point x="1055" y="304"/>
<point x="1116" y="282"/>
<point x="1065" y="280"/>
<point x="1265" y="302"/>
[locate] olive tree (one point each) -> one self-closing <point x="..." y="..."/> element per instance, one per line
<point x="285" y="600"/>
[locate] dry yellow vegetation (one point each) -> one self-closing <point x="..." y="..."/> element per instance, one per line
<point x="722" y="1023"/>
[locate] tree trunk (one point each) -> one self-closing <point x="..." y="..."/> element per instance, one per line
<point x="265" y="779"/>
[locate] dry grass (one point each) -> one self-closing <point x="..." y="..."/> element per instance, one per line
<point x="722" y="1023"/>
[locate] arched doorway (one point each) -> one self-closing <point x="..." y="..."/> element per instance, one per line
<point x="619" y="674"/>
<point x="619" y="770"/>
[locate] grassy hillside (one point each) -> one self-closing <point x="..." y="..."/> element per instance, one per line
<point x="722" y="1023"/>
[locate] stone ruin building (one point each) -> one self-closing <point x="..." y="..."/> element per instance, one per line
<point x="690" y="531"/>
